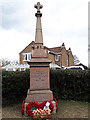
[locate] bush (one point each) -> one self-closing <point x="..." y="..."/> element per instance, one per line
<point x="70" y="85"/>
<point x="67" y="85"/>
<point x="15" y="84"/>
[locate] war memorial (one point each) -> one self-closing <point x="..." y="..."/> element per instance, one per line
<point x="39" y="100"/>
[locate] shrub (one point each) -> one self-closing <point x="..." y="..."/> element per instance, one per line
<point x="15" y="84"/>
<point x="70" y="85"/>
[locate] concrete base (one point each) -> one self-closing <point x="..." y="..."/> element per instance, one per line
<point x="39" y="96"/>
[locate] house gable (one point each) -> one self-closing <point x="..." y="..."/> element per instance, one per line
<point x="27" y="49"/>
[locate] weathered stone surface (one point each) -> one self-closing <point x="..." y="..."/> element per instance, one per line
<point x="39" y="96"/>
<point x="40" y="60"/>
<point x="39" y="53"/>
<point x="39" y="78"/>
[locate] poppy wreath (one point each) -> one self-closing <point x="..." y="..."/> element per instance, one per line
<point x="23" y="107"/>
<point x="56" y="103"/>
<point x="30" y="107"/>
<point x="44" y="103"/>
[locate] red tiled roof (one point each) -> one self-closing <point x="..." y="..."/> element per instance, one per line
<point x="56" y="49"/>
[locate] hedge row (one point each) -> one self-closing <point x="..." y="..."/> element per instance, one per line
<point x="70" y="85"/>
<point x="15" y="84"/>
<point x="65" y="84"/>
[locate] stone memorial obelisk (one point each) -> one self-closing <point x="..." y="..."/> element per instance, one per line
<point x="39" y="90"/>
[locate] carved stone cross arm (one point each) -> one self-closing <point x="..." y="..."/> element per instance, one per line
<point x="38" y="6"/>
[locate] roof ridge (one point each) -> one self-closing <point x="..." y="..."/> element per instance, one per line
<point x="57" y="47"/>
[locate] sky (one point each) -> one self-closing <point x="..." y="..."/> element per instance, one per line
<point x="62" y="21"/>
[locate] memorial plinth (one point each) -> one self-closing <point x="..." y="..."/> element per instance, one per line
<point x="39" y="76"/>
<point x="39" y="83"/>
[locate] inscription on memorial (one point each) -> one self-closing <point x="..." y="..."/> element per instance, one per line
<point x="39" y="75"/>
<point x="39" y="78"/>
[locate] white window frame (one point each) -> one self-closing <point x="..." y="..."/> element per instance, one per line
<point x="56" y="57"/>
<point x="27" y="56"/>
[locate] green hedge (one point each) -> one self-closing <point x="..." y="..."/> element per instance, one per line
<point x="70" y="85"/>
<point x="15" y="84"/>
<point x="65" y="84"/>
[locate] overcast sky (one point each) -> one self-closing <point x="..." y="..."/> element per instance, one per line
<point x="62" y="21"/>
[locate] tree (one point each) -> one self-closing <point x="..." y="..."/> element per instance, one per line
<point x="4" y="61"/>
<point x="15" y="62"/>
<point x="76" y="60"/>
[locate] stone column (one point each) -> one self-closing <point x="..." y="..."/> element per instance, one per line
<point x="38" y="34"/>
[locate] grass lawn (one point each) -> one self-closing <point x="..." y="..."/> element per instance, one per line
<point x="72" y="109"/>
<point x="66" y="109"/>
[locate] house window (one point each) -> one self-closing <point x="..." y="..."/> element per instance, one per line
<point x="26" y="56"/>
<point x="56" y="57"/>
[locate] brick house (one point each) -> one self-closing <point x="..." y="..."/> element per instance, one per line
<point x="58" y="55"/>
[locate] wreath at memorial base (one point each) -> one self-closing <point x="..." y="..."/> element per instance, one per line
<point x="30" y="107"/>
<point x="23" y="107"/>
<point x="50" y="106"/>
<point x="35" y="105"/>
<point x="56" y="103"/>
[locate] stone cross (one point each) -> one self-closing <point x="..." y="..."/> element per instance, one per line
<point x="38" y="6"/>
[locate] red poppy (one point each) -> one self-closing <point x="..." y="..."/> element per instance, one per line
<point x="23" y="107"/>
<point x="50" y="106"/>
<point x="56" y="103"/>
<point x="30" y="107"/>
